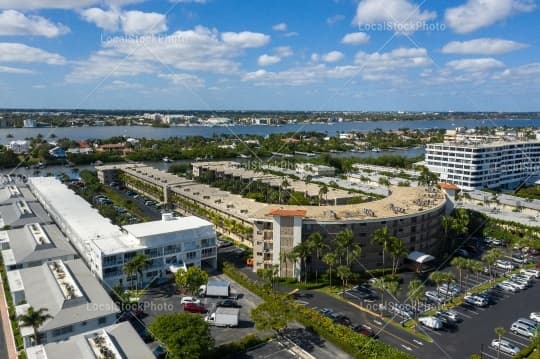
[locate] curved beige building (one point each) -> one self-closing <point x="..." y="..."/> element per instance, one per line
<point x="410" y="213"/>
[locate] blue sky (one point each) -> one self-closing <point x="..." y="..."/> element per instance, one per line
<point x="371" y="55"/>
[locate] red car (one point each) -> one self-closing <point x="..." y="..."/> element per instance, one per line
<point x="194" y="308"/>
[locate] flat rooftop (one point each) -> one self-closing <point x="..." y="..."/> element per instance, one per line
<point x="402" y="201"/>
<point x="484" y="144"/>
<point x="150" y="173"/>
<point x="176" y="224"/>
<point x="19" y="212"/>
<point x="42" y="290"/>
<point x="125" y="340"/>
<point x="83" y="220"/>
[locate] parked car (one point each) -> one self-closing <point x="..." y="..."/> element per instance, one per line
<point x="500" y="263"/>
<point x="528" y="322"/>
<point x="363" y="329"/>
<point x="462" y="253"/>
<point x="229" y="303"/>
<point x="185" y="300"/>
<point x="522" y="329"/>
<point x="504" y="346"/>
<point x="487" y="296"/>
<point x="339" y="318"/>
<point x="450" y="314"/>
<point x="434" y="297"/>
<point x="402" y="310"/>
<point x="431" y="322"/>
<point x="447" y="322"/>
<point x="507" y="287"/>
<point x="519" y="259"/>
<point x="194" y="308"/>
<point x="518" y="284"/>
<point x="475" y="300"/>
<point x="535" y="316"/>
<point x="531" y="272"/>
<point x="451" y="290"/>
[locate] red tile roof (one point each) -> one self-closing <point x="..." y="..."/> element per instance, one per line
<point x="445" y="185"/>
<point x="288" y="212"/>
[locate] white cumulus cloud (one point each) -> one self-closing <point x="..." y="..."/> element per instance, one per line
<point x="476" y="14"/>
<point x="482" y="46"/>
<point x="15" y="70"/>
<point x="401" y="16"/>
<point x="15" y="52"/>
<point x="130" y="22"/>
<point x="267" y="60"/>
<point x="245" y="39"/>
<point x="13" y="22"/>
<point x="475" y="65"/>
<point x="187" y="80"/>
<point x="280" y="27"/>
<point x="332" y="56"/>
<point x="355" y="38"/>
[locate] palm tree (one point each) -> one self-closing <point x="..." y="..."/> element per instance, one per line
<point x="285" y="257"/>
<point x="316" y="243"/>
<point x="460" y="263"/>
<point x="129" y="271"/>
<point x="302" y="252"/>
<point x="344" y="273"/>
<point x="438" y="278"/>
<point x="34" y="318"/>
<point x="415" y="292"/>
<point x="447" y="224"/>
<point x="140" y="262"/>
<point x="381" y="286"/>
<point x="397" y="250"/>
<point x="499" y="331"/>
<point x="383" y="238"/>
<point x="330" y="259"/>
<point x="323" y="191"/>
<point x="490" y="257"/>
<point x="344" y="240"/>
<point x="476" y="266"/>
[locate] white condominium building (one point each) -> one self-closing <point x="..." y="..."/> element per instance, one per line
<point x="168" y="244"/>
<point x="491" y="164"/>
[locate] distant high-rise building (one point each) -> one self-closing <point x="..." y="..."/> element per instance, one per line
<point x="29" y="123"/>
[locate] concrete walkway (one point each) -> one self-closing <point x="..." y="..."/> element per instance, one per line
<point x="8" y="348"/>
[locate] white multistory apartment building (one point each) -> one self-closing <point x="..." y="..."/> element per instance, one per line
<point x="491" y="163"/>
<point x="168" y="244"/>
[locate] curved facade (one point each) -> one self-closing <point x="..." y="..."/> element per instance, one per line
<point x="410" y="213"/>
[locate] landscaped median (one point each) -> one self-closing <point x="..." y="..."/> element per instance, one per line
<point x="408" y="326"/>
<point x="353" y="343"/>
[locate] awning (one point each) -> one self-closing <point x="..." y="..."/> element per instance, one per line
<point x="420" y="257"/>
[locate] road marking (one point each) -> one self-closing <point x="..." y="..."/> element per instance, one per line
<point x="463" y="314"/>
<point x="516" y="341"/>
<point x="418" y="342"/>
<point x="406" y="347"/>
<point x="377" y="322"/>
<point x="503" y="353"/>
<point x="488" y="355"/>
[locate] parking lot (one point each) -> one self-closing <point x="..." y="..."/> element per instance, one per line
<point x="165" y="300"/>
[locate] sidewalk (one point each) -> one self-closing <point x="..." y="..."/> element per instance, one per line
<point x="6" y="326"/>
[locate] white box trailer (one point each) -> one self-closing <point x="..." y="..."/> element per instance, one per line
<point x="215" y="288"/>
<point x="224" y="317"/>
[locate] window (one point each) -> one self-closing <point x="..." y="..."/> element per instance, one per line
<point x="62" y="331"/>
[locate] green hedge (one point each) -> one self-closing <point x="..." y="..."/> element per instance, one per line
<point x="355" y="344"/>
<point x="241" y="346"/>
<point x="11" y="310"/>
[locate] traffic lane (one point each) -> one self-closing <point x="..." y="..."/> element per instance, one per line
<point x="385" y="331"/>
<point x="476" y="331"/>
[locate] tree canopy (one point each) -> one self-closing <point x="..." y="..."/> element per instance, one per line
<point x="191" y="279"/>
<point x="185" y="336"/>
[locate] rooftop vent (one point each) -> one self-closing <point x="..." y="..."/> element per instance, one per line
<point x="102" y="346"/>
<point x="65" y="280"/>
<point x="39" y="235"/>
<point x="167" y="217"/>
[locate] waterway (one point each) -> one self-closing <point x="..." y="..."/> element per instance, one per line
<point x="81" y="133"/>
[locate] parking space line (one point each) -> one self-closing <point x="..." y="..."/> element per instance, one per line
<point x="488" y="355"/>
<point x="503" y="353"/>
<point x="513" y="340"/>
<point x="463" y="314"/>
